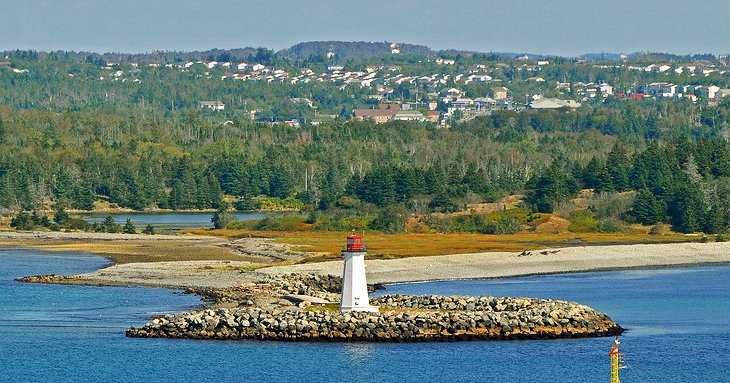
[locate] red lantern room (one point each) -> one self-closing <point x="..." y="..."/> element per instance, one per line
<point x="354" y="243"/>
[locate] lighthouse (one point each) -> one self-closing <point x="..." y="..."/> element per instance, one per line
<point x="354" y="285"/>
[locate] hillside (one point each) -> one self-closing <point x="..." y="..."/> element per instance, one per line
<point x="350" y="49"/>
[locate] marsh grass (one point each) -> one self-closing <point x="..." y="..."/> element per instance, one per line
<point x="327" y="245"/>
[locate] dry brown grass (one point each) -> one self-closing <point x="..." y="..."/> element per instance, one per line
<point x="327" y="245"/>
<point x="552" y="225"/>
<point x="130" y="251"/>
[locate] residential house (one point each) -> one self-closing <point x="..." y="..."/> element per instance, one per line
<point x="213" y="105"/>
<point x="707" y="91"/>
<point x="433" y="115"/>
<point x="661" y="89"/>
<point x="663" y="68"/>
<point x="606" y="89"/>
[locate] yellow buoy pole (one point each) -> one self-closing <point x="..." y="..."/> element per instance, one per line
<point x="614" y="354"/>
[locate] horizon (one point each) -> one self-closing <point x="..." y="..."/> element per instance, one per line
<point x="206" y="50"/>
<point x="558" y="28"/>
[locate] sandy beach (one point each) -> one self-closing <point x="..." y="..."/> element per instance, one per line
<point x="221" y="273"/>
<point x="550" y="261"/>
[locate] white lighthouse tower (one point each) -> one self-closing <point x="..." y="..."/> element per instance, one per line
<point x="354" y="286"/>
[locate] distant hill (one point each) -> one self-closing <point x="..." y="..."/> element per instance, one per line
<point x="344" y="50"/>
<point x="237" y="54"/>
<point x="349" y="49"/>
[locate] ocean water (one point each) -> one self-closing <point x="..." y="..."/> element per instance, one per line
<point x="678" y="321"/>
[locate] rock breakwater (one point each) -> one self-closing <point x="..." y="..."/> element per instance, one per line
<point x="402" y="318"/>
<point x="49" y="278"/>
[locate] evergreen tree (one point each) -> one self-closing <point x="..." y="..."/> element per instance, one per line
<point x="618" y="167"/>
<point x="215" y="192"/>
<point x="687" y="209"/>
<point x="109" y="226"/>
<point x="551" y="187"/>
<point x="647" y="208"/>
<point x="22" y="221"/>
<point x="714" y="221"/>
<point x="149" y="229"/>
<point x="593" y="173"/>
<point x="129" y="228"/>
<point x="221" y="218"/>
<point x="61" y="217"/>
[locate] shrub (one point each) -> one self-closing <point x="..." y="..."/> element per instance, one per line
<point x="611" y="205"/>
<point x="582" y="221"/>
<point x="521" y="215"/>
<point x="273" y="222"/>
<point x="660" y="229"/>
<point x="492" y="196"/>
<point x="77" y="224"/>
<point x="61" y="217"/>
<point x="221" y="219"/>
<point x="504" y="225"/>
<point x="149" y="229"/>
<point x="392" y="219"/>
<point x="442" y="203"/>
<point x="611" y="225"/>
<point x="720" y="238"/>
<point x="22" y="221"/>
<point x="276" y="203"/>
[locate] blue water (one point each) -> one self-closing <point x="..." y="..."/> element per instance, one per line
<point x="181" y="220"/>
<point x="678" y="320"/>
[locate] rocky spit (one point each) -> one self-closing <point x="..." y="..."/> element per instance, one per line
<point x="402" y="318"/>
<point x="303" y="307"/>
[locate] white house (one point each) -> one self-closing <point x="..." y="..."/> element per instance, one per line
<point x="257" y="67"/>
<point x="213" y="105"/>
<point x="661" y="89"/>
<point x="241" y="66"/>
<point x="606" y="89"/>
<point x="708" y="91"/>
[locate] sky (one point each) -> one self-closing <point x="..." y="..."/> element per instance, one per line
<point x="558" y="27"/>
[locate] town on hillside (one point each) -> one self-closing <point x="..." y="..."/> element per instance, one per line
<point x="439" y="88"/>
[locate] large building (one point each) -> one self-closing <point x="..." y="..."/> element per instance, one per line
<point x="553" y="103"/>
<point x="388" y="112"/>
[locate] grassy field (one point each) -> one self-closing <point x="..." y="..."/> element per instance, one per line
<point x="130" y="251"/>
<point x="327" y="245"/>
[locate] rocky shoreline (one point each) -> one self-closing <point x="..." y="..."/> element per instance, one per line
<point x="497" y="319"/>
<point x="402" y="318"/>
